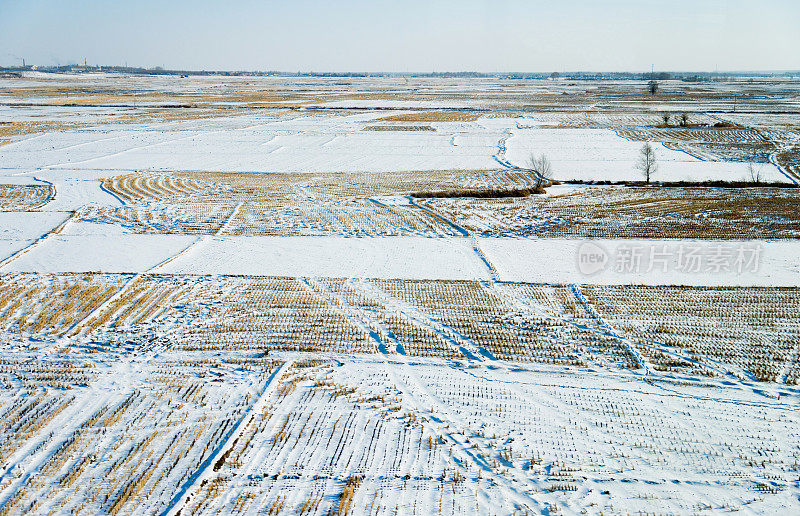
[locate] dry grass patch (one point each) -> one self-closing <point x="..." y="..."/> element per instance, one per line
<point x="25" y="197"/>
<point x="16" y="129"/>
<point x="99" y="96"/>
<point x="398" y="128"/>
<point x="289" y="204"/>
<point x="629" y="212"/>
<point x="433" y="116"/>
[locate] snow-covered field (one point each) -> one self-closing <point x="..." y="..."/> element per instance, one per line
<point x="315" y="296"/>
<point x="402" y="436"/>
<point x="601" y="155"/>
<point x="646" y="262"/>
<point x="86" y="247"/>
<point x="313" y="143"/>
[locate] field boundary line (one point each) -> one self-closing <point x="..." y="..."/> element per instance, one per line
<point x="227" y="223"/>
<point x="490" y="268"/>
<point x="773" y="159"/>
<point x="200" y="239"/>
<point x="204" y="471"/>
<point x="54" y="190"/>
<point x="72" y="331"/>
<point x="109" y="192"/>
<point x="55" y="231"/>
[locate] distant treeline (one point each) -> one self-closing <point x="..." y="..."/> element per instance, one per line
<point x="574" y="76"/>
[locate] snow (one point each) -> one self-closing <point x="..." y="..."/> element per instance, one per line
<point x="18" y="180"/>
<point x="601" y="155"/>
<point x="72" y="194"/>
<point x="9" y="247"/>
<point x="85" y="247"/>
<point x="264" y="373"/>
<point x="89" y="247"/>
<point x="494" y="439"/>
<point x="399" y="104"/>
<point x="28" y="225"/>
<point x="556" y="261"/>
<point x="339" y="144"/>
<point x="306" y="144"/>
<point x="393" y="257"/>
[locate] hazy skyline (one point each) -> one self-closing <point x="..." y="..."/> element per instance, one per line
<point x="414" y="35"/>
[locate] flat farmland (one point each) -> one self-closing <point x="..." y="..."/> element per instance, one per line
<point x="309" y="295"/>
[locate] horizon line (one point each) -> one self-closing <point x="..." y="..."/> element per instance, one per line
<point x="162" y="69"/>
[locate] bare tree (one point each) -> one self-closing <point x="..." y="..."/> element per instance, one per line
<point x="544" y="170"/>
<point x="754" y="172"/>
<point x="665" y="117"/>
<point x="652" y="87"/>
<point x="684" y="119"/>
<point x="647" y="161"/>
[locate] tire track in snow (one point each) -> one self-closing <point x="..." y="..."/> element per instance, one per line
<point x="611" y="332"/>
<point x="464" y="233"/>
<point x="69" y="164"/>
<point x="353" y="315"/>
<point x="151" y="128"/>
<point x="400" y="228"/>
<point x="204" y="471"/>
<point x="422" y="402"/>
<point x="83" y="144"/>
<point x="386" y="335"/>
<point x="498" y="290"/>
<point x="454" y="339"/>
<point x="742" y="378"/>
<point x="113" y="385"/>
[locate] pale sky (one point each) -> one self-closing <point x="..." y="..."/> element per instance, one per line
<point x="403" y="36"/>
